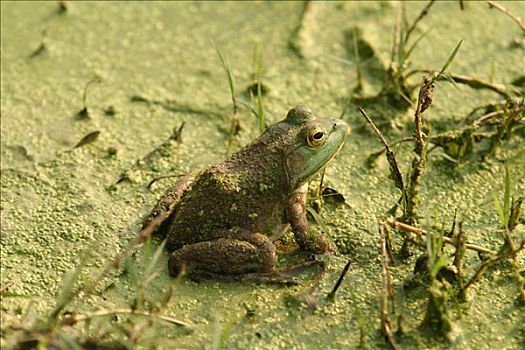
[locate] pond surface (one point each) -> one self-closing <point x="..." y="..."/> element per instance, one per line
<point x="154" y="66"/>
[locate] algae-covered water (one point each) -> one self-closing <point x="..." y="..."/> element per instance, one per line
<point x="155" y="66"/>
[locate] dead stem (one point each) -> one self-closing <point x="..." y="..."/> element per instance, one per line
<point x="402" y="140"/>
<point x="423" y="13"/>
<point x="398" y="225"/>
<point x="85" y="91"/>
<point x="423" y="102"/>
<point x="386" y="293"/>
<point x="331" y="295"/>
<point x="155" y="179"/>
<point x="452" y="230"/>
<point x="42" y="47"/>
<point x="493" y="4"/>
<point x="394" y="168"/>
<point x="388" y="242"/>
<point x="510" y="253"/>
<point x="177" y="133"/>
<point x="419" y="162"/>
<point x="489" y="116"/>
<point x="6" y="286"/>
<point x="474" y="83"/>
<point x="73" y="318"/>
<point x="460" y="253"/>
<point x="480" y="84"/>
<point x="87" y="139"/>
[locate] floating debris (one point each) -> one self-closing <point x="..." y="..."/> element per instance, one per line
<point x="87" y="139"/>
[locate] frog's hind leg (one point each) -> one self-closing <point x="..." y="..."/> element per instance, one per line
<point x="241" y="257"/>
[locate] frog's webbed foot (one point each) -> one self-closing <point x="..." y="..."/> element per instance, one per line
<point x="296" y="269"/>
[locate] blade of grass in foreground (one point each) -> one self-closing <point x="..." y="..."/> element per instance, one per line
<point x="260" y="106"/>
<point x="449" y="61"/>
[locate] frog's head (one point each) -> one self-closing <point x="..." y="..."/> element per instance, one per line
<point x="315" y="142"/>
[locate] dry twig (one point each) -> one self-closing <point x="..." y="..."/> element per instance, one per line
<point x="474" y="83"/>
<point x="6" y="286"/>
<point x="423" y="13"/>
<point x="73" y="318"/>
<point x="331" y="295"/>
<point x="394" y="168"/>
<point x="398" y="225"/>
<point x="489" y="261"/>
<point x="493" y="4"/>
<point x="386" y="293"/>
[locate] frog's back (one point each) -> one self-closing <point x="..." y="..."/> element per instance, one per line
<point x="242" y="192"/>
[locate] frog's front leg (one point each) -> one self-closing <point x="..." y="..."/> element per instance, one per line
<point x="296" y="214"/>
<point x="238" y="256"/>
<point x="157" y="220"/>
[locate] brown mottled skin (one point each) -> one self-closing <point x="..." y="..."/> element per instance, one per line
<point x="226" y="216"/>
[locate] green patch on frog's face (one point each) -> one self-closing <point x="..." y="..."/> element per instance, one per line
<point x="317" y="142"/>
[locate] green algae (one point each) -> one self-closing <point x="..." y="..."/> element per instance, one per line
<point x="56" y="206"/>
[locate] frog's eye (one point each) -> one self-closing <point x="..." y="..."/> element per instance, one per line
<point x="316" y="137"/>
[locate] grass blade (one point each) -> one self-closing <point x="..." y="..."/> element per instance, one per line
<point x="258" y="72"/>
<point x="506" y="196"/>
<point x="499" y="209"/>
<point x="449" y="61"/>
<point x="317" y="218"/>
<point x="413" y="46"/>
<point x="154" y="259"/>
<point x="229" y="73"/>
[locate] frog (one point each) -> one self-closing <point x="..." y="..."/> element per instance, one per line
<point x="221" y="223"/>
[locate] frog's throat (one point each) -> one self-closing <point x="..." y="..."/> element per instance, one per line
<point x="300" y="166"/>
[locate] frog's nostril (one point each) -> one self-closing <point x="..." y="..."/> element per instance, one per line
<point x="340" y="124"/>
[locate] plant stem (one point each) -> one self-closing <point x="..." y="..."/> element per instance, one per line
<point x="331" y="295"/>
<point x="423" y="13"/>
<point x="491" y="260"/>
<point x="155" y="179"/>
<point x="419" y="162"/>
<point x="394" y="168"/>
<point x="85" y="91"/>
<point x="493" y="4"/>
<point x="474" y="83"/>
<point x="72" y="319"/>
<point x="386" y="292"/>
<point x="398" y="225"/>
